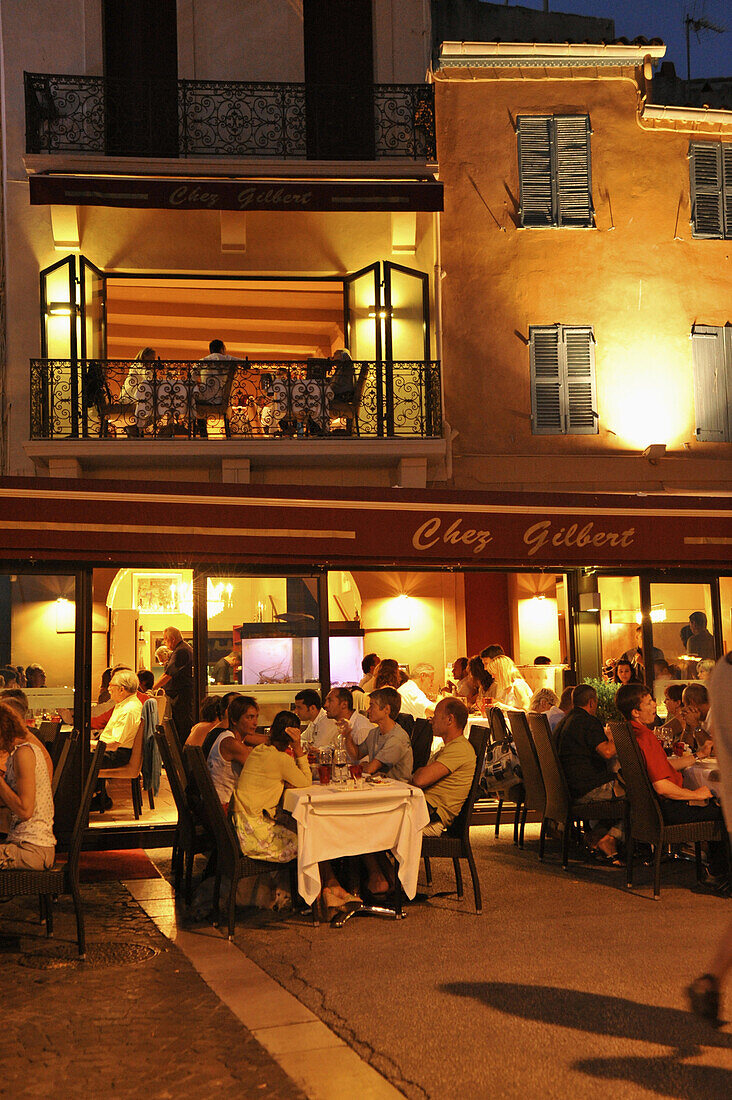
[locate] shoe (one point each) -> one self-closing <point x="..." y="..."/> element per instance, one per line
<point x="703" y="997"/>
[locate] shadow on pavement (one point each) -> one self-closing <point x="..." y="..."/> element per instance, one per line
<point x="667" y="1076"/>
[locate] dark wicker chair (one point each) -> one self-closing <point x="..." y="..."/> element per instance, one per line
<point x="454" y="843"/>
<point x="515" y="794"/>
<point x="229" y="860"/>
<point x="191" y="837"/>
<point x="646" y="820"/>
<point x="62" y="878"/>
<point x="406" y="721"/>
<point x="69" y="741"/>
<point x="421" y="738"/>
<point x="534" y="790"/>
<point x="559" y="806"/>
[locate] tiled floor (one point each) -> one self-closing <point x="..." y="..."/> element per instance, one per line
<point x="119" y="790"/>
<point x="310" y="1053"/>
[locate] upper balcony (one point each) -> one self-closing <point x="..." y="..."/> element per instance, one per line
<point x="93" y="115"/>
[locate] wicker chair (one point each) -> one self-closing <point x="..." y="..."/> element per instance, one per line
<point x="534" y="790"/>
<point x="61" y="878"/>
<point x="190" y="837"/>
<point x="646" y="819"/>
<point x="131" y="771"/>
<point x="229" y="860"/>
<point x="454" y="843"/>
<point x="515" y="794"/>
<point x="69" y="742"/>
<point x="559" y="805"/>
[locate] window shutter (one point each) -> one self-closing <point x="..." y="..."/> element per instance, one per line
<point x="573" y="176"/>
<point x="710" y="384"/>
<point x="705" y="167"/>
<point x="727" y="189"/>
<point x="535" y="170"/>
<point x="579" y="358"/>
<point x="547" y="404"/>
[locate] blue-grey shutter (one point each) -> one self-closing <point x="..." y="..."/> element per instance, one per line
<point x="573" y="175"/>
<point x="711" y="388"/>
<point x="547" y="392"/>
<point x="535" y="170"/>
<point x="727" y="189"/>
<point x="579" y="374"/>
<point x="705" y="171"/>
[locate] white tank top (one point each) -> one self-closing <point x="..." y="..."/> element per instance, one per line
<point x="221" y="770"/>
<point x="38" y="829"/>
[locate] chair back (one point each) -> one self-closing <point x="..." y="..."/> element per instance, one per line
<point x="132" y="769"/>
<point x="59" y="740"/>
<point x="82" y="814"/>
<point x="163" y="702"/>
<point x="555" y="785"/>
<point x="406" y="721"/>
<point x="227" y="846"/>
<point x="535" y="792"/>
<point x="646" y="819"/>
<point x="498" y="724"/>
<point x="360" y="387"/>
<point x="421" y="738"/>
<point x="70" y="740"/>
<point x="175" y="772"/>
<point x="48" y="731"/>
<point x="461" y="825"/>
<point x="218" y="401"/>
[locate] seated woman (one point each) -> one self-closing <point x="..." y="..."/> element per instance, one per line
<point x="210" y="718"/>
<point x="625" y="672"/>
<point x="509" y="688"/>
<point x="232" y="747"/>
<point x="25" y="789"/>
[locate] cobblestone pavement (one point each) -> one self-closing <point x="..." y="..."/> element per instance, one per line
<point x="152" y="1029"/>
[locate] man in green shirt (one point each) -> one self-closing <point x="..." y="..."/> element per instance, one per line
<point x="447" y="778"/>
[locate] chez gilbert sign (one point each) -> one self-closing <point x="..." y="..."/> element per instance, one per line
<point x="216" y="194"/>
<point x="103" y="521"/>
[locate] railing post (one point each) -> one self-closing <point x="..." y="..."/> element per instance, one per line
<point x="389" y="397"/>
<point x="379" y="398"/>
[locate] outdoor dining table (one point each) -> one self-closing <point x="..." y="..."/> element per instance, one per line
<point x="703" y="774"/>
<point x="335" y="821"/>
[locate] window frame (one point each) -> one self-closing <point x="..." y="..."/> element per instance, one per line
<point x="560" y="179"/>
<point x="564" y="382"/>
<point x="721" y="189"/>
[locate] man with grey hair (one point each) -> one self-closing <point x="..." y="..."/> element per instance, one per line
<point x="414" y="693"/>
<point x="118" y="736"/>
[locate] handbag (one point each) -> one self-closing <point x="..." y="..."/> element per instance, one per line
<point x="502" y="768"/>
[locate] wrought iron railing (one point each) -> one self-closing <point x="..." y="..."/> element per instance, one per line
<point x="130" y="399"/>
<point x="184" y="118"/>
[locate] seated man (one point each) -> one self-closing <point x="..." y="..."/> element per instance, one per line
<point x="369" y="665"/>
<point x="320" y="730"/>
<point x="339" y="707"/>
<point x="557" y="714"/>
<point x="695" y="712"/>
<point x="585" y="753"/>
<point x="387" y="747"/>
<point x="118" y="736"/>
<point x="447" y="778"/>
<point x="678" y="804"/>
<point x="415" y="700"/>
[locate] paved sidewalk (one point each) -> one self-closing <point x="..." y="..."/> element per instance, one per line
<point x="151" y="1029"/>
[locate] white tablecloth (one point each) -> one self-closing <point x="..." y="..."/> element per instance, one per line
<point x="333" y="822"/>
<point x="702" y="775"/>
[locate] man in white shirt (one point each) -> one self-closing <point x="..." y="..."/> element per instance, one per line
<point x="415" y="701"/>
<point x="321" y="730"/>
<point x="118" y="736"/>
<point x="339" y="707"/>
<point x="210" y="384"/>
<point x="369" y="665"/>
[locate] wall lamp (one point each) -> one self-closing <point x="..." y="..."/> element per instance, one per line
<point x="381" y="313"/>
<point x="61" y="309"/>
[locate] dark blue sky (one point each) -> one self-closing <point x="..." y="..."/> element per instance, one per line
<point x="710" y="56"/>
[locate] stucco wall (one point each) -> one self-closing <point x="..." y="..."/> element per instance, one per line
<point x="638" y="278"/>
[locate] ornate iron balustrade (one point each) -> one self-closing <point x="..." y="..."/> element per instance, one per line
<point x="97" y="115"/>
<point x="103" y="399"/>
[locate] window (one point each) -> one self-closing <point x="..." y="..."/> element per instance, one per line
<point x="710" y="170"/>
<point x="712" y="351"/>
<point x="554" y="170"/>
<point x="562" y="380"/>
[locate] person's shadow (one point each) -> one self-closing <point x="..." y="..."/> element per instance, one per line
<point x="619" y="1018"/>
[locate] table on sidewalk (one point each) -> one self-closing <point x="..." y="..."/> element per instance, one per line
<point x="703" y="774"/>
<point x="335" y="821"/>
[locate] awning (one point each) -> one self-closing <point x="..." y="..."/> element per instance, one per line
<point x="176" y="193"/>
<point x="100" y="521"/>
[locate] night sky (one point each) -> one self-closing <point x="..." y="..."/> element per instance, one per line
<point x="711" y="55"/>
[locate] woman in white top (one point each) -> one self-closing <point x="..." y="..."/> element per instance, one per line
<point x="508" y="689"/>
<point x="232" y="747"/>
<point x="25" y="788"/>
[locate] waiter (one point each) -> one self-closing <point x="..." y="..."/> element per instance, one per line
<point x="177" y="680"/>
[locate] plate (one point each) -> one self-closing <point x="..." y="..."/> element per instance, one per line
<point x="709" y="762"/>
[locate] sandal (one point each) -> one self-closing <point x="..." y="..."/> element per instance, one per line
<point x="703" y="997"/>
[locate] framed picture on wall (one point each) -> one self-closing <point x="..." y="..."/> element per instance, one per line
<point x="159" y="593"/>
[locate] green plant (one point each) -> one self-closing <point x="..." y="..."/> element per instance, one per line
<point x="606" y="709"/>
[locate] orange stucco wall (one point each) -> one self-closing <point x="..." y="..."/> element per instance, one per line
<point x="639" y="278"/>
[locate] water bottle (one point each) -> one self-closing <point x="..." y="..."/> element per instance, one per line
<point x="340" y="761"/>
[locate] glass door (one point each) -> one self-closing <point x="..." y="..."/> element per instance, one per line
<point x="406" y="348"/>
<point x="93" y="332"/>
<point x="59" y="389"/>
<point x="363" y="326"/>
<point x="684" y="631"/>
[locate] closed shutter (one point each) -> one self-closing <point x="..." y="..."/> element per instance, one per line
<point x="579" y="359"/>
<point x="547" y="391"/>
<point x="705" y="167"/>
<point x="727" y="189"/>
<point x="574" y="184"/>
<point x="535" y="170"/>
<point x="711" y="389"/>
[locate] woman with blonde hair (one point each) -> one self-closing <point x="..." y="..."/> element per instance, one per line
<point x="509" y="689"/>
<point x="543" y="700"/>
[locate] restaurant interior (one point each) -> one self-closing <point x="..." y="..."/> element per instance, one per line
<point x="284" y="639"/>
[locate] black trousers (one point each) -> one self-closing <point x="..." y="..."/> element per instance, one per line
<point x="678" y="812"/>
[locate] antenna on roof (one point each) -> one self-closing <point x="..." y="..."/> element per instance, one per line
<point x="697" y="25"/>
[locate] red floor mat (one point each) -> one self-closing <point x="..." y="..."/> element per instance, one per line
<point x="118" y="866"/>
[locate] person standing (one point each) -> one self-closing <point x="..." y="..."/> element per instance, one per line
<point x="177" y="681"/>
